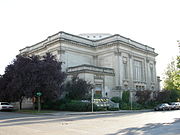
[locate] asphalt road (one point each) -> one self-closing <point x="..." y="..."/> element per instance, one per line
<point x="139" y="123"/>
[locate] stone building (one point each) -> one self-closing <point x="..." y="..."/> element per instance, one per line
<point x="112" y="63"/>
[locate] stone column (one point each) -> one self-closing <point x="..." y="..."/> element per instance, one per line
<point x="148" y="83"/>
<point x="117" y="56"/>
<point x="158" y="83"/>
<point x="155" y="77"/>
<point x="120" y="70"/>
<point x="130" y="76"/>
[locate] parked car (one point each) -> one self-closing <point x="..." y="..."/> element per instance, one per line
<point x="175" y="105"/>
<point x="163" y="107"/>
<point x="6" y="106"/>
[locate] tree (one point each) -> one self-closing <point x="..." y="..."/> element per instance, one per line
<point x="163" y="96"/>
<point x="171" y="77"/>
<point x="143" y="96"/>
<point x="28" y="75"/>
<point x="125" y="96"/>
<point x="178" y="62"/>
<point x="167" y="96"/>
<point x="176" y="79"/>
<point x="78" y="88"/>
<point x="48" y="78"/>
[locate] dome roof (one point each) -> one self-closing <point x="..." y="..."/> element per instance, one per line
<point x="95" y="36"/>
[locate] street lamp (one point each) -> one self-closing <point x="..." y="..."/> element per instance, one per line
<point x="131" y="98"/>
<point x="92" y="98"/>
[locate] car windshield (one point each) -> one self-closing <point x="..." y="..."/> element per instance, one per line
<point x="4" y="103"/>
<point x="165" y="104"/>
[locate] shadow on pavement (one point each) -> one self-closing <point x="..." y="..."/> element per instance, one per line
<point x="152" y="129"/>
<point x="13" y="119"/>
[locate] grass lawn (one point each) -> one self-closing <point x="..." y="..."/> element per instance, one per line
<point x="35" y="111"/>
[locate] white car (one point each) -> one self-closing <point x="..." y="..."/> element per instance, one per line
<point x="175" y="105"/>
<point x="6" y="106"/>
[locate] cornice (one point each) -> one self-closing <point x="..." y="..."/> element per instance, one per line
<point x="78" y="40"/>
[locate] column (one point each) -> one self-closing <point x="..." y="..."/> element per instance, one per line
<point x="148" y="83"/>
<point x="117" y="56"/>
<point x="155" y="77"/>
<point x="130" y="72"/>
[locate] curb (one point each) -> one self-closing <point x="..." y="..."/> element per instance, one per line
<point x="104" y="112"/>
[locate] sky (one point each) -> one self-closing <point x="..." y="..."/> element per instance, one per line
<point x="155" y="23"/>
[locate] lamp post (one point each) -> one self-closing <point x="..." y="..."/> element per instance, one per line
<point x="131" y="98"/>
<point x="38" y="94"/>
<point x="92" y="98"/>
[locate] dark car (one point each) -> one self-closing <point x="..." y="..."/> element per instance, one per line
<point x="163" y="107"/>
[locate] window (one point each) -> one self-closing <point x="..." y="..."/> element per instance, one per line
<point x="139" y="87"/>
<point x="98" y="90"/>
<point x="98" y="87"/>
<point x="138" y="74"/>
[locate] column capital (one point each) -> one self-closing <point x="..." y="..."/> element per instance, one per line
<point x="61" y="51"/>
<point x="117" y="53"/>
<point x="147" y="60"/>
<point x="130" y="56"/>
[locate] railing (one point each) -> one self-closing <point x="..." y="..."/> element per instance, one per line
<point x="105" y="102"/>
<point x="92" y="68"/>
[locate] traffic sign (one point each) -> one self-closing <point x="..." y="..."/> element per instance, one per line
<point x="38" y="94"/>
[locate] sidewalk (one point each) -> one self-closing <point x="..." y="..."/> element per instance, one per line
<point x="99" y="112"/>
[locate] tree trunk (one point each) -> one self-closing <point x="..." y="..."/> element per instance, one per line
<point x="20" y="103"/>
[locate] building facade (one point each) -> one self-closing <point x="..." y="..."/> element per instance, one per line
<point x="112" y="63"/>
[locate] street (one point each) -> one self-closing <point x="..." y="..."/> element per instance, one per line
<point x="62" y="123"/>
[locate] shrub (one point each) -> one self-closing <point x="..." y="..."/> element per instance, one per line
<point x="47" y="105"/>
<point x="136" y="106"/>
<point x="125" y="96"/>
<point x="77" y="106"/>
<point x="54" y="105"/>
<point x="113" y="109"/>
<point x="102" y="108"/>
<point x="163" y="96"/>
<point x="143" y="96"/>
<point x="116" y="99"/>
<point x="125" y="106"/>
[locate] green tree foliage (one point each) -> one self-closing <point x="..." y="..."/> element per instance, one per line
<point x="172" y="77"/>
<point x="78" y="89"/>
<point x="168" y="96"/>
<point x="29" y="75"/>
<point x="116" y="99"/>
<point x="125" y="96"/>
<point x="178" y="62"/>
<point x="143" y="96"/>
<point x="176" y="79"/>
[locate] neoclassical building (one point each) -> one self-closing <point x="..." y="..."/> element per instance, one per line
<point x="112" y="63"/>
